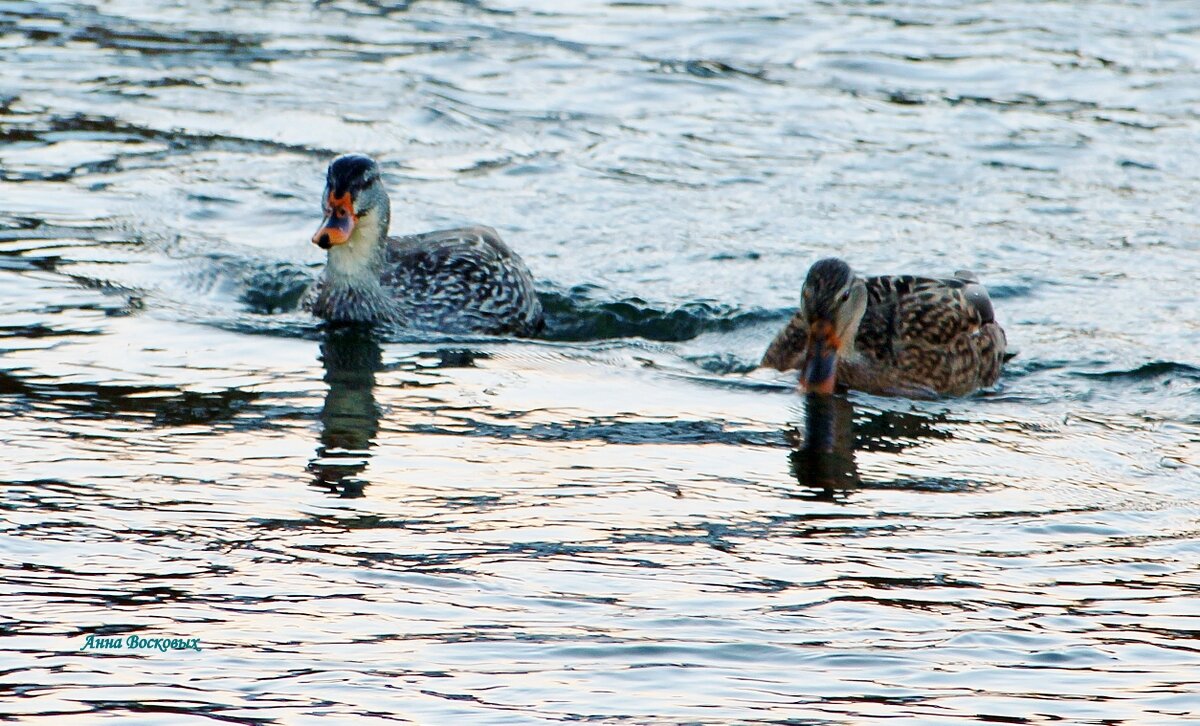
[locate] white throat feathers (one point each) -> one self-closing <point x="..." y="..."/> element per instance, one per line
<point x="360" y="260"/>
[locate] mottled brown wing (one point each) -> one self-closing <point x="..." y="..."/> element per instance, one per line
<point x="942" y="334"/>
<point x="786" y="352"/>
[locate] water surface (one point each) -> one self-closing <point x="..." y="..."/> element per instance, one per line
<point x="622" y="523"/>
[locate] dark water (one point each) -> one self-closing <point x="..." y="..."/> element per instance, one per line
<point x="619" y="524"/>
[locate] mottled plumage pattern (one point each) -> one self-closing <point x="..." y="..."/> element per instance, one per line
<point x="919" y="337"/>
<point x="452" y="281"/>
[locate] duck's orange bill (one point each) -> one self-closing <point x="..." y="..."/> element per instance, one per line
<point x="820" y="359"/>
<point x="338" y="224"/>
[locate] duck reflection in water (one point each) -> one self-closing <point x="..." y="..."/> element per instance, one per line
<point x="823" y="453"/>
<point x="823" y="456"/>
<point x="350" y="418"/>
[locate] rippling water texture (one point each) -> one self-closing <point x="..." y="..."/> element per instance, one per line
<point x="622" y="523"/>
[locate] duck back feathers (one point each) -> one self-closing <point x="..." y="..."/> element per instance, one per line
<point x="458" y="281"/>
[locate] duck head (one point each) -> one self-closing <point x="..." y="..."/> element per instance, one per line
<point x="354" y="201"/>
<point x="834" y="302"/>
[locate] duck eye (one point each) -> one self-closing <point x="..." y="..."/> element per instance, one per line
<point x="845" y="296"/>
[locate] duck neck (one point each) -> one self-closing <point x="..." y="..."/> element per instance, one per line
<point x="359" y="261"/>
<point x="848" y="349"/>
<point x="850" y="334"/>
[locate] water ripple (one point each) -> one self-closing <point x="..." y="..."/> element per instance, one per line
<point x="392" y="527"/>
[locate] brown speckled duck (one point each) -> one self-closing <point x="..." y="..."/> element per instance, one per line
<point x="452" y="281"/>
<point x="895" y="335"/>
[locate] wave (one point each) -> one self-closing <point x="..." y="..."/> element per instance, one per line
<point x="1148" y="371"/>
<point x="574" y="316"/>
